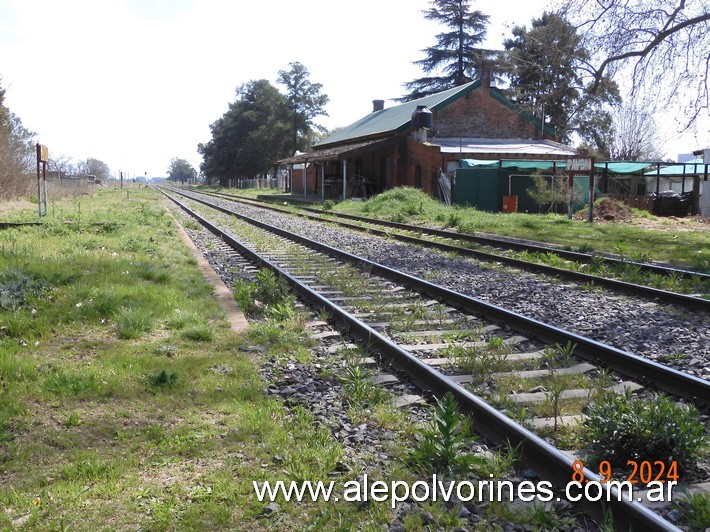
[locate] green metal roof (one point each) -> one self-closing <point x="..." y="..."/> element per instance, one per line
<point x="397" y="119"/>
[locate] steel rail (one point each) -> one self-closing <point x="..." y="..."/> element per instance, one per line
<point x="667" y="379"/>
<point x="497" y="241"/>
<point x="489" y="422"/>
<point x="675" y="298"/>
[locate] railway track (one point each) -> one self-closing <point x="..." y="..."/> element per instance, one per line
<point x="495" y="248"/>
<point x="418" y="328"/>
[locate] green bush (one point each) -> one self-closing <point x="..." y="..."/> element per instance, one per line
<point x="257" y="298"/>
<point x="695" y="510"/>
<point x="163" y="378"/>
<point x="622" y="428"/>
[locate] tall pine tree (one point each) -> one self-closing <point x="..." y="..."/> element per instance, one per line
<point x="456" y="58"/>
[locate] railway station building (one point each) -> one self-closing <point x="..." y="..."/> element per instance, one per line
<point x="471" y="146"/>
<point x="422" y="144"/>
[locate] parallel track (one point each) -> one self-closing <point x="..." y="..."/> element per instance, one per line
<point x="688" y="301"/>
<point x="489" y="421"/>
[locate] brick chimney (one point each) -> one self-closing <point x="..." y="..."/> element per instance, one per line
<point x="378" y="105"/>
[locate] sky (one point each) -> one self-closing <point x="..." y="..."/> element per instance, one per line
<point x="136" y="83"/>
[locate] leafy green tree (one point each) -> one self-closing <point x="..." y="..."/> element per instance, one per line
<point x="250" y="136"/>
<point x="306" y="101"/>
<point x="455" y="56"/>
<point x="549" y="191"/>
<point x="181" y="170"/>
<point x="548" y="78"/>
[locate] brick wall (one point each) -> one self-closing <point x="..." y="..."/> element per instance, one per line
<point x="478" y="114"/>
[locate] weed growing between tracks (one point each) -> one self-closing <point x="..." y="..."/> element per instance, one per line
<point x="622" y="428"/>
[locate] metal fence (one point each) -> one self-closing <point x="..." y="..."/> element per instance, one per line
<point x="279" y="182"/>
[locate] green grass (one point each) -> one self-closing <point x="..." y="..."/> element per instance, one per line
<point x="689" y="248"/>
<point x="126" y="402"/>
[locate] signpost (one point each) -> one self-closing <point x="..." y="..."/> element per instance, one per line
<point x="582" y="164"/>
<point x="42" y="159"/>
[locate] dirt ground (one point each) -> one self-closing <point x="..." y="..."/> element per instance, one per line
<point x="611" y="211"/>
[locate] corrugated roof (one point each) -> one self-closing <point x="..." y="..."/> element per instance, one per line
<point x="328" y="154"/>
<point x="396" y="119"/>
<point x="505" y="148"/>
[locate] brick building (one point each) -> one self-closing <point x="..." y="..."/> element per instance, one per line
<point x="412" y="144"/>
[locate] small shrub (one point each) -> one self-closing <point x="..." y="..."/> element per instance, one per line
<point x="73" y="420"/>
<point x="16" y="286"/>
<point x="622" y="428"/>
<point x="163" y="379"/>
<point x="255" y="298"/>
<point x="442" y="446"/>
<point x="358" y="386"/>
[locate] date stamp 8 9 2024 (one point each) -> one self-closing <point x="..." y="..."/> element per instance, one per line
<point x="644" y="471"/>
<point x="658" y="478"/>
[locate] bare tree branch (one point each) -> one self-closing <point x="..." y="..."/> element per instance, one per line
<point x="648" y="48"/>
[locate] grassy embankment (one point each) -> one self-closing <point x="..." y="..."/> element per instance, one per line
<point x="679" y="242"/>
<point x="125" y="399"/>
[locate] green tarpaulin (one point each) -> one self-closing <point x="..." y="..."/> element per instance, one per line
<point x="535" y="165"/>
<point x="622" y="167"/>
<point x="691" y="167"/>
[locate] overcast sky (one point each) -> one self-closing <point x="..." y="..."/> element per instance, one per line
<point x="135" y="83"/>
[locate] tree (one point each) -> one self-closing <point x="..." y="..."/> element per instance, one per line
<point x="546" y="65"/>
<point x="306" y="103"/>
<point x="635" y="135"/>
<point x="181" y="170"/>
<point x="455" y="54"/>
<point x="62" y="164"/>
<point x="660" y="45"/>
<point x="98" y="168"/>
<point x="548" y="191"/>
<point x="17" y="152"/>
<point x="250" y="136"/>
